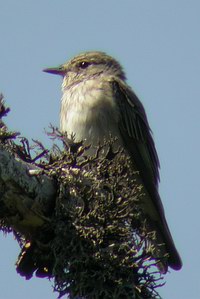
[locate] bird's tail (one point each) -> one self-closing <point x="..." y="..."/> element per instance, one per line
<point x="165" y="249"/>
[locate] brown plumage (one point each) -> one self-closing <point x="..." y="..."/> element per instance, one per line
<point x="96" y="102"/>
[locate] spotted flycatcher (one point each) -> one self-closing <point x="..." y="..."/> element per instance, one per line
<point x="98" y="103"/>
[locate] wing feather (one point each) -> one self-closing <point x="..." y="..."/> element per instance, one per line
<point x="138" y="141"/>
<point x="134" y="126"/>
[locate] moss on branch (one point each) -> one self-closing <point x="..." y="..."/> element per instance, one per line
<point x="76" y="217"/>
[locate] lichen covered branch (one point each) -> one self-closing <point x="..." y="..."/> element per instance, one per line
<point x="76" y="218"/>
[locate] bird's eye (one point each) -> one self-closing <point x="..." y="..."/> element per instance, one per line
<point x="84" y="64"/>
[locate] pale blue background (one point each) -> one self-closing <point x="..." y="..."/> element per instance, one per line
<point x="158" y="43"/>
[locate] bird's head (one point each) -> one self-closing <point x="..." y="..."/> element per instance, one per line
<point x="87" y="65"/>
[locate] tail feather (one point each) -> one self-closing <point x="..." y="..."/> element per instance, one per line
<point x="165" y="248"/>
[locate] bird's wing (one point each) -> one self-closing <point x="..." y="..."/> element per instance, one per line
<point x="136" y="133"/>
<point x="137" y="138"/>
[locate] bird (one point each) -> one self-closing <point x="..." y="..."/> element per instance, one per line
<point x="96" y="103"/>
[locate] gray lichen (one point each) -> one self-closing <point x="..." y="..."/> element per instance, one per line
<point x="76" y="218"/>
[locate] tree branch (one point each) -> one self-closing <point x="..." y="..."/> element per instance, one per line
<point x="27" y="195"/>
<point x="76" y="218"/>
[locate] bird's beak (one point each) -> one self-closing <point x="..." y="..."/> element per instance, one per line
<point x="60" y="70"/>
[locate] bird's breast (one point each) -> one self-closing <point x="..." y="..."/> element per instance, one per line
<point x="89" y="111"/>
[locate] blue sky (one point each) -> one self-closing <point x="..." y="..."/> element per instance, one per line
<point x="158" y="43"/>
